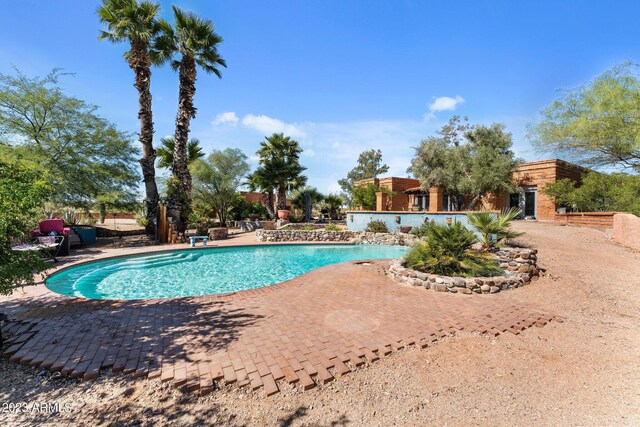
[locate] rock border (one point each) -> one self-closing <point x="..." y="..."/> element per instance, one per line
<point x="519" y="264"/>
<point x="346" y="236"/>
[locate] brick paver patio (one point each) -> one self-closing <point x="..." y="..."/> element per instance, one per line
<point x="307" y="331"/>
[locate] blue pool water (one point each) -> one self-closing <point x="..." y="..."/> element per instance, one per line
<point x="205" y="271"/>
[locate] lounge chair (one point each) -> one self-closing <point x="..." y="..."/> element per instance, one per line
<point x="54" y="227"/>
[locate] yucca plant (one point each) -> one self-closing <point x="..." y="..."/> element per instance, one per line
<point x="70" y="217"/>
<point x="494" y="228"/>
<point x="448" y="251"/>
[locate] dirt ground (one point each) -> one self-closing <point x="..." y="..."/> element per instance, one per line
<point x="585" y="371"/>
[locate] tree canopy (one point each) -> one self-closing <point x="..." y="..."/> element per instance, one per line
<point x="467" y="161"/>
<point x="217" y="178"/>
<point x="597" y="124"/>
<point x="369" y="166"/>
<point x="598" y="192"/>
<point x="23" y="190"/>
<point x="86" y="155"/>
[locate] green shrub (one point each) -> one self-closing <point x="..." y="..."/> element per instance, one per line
<point x="448" y="251"/>
<point x="494" y="228"/>
<point x="296" y="219"/>
<point x="308" y="228"/>
<point x="421" y="231"/>
<point x="87" y="219"/>
<point x="332" y="227"/>
<point x="270" y="225"/>
<point x="377" y="227"/>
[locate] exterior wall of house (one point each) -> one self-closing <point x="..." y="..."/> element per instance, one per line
<point x="532" y="175"/>
<point x="539" y="174"/>
<point x="253" y="197"/>
<point x="400" y="200"/>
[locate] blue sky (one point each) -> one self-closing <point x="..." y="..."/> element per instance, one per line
<point x="341" y="76"/>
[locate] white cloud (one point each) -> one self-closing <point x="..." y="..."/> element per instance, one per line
<point x="229" y="118"/>
<point x="269" y="125"/>
<point x="308" y="152"/>
<point x="443" y="103"/>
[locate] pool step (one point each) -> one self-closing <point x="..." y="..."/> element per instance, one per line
<point x="93" y="277"/>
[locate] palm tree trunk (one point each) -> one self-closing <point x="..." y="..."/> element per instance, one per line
<point x="186" y="112"/>
<point x="267" y="202"/>
<point x="140" y="62"/>
<point x="281" y="198"/>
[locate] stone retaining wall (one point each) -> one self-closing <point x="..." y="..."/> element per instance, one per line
<point x="322" y="235"/>
<point x="520" y="267"/>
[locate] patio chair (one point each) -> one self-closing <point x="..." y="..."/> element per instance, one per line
<point x="50" y="246"/>
<point x="54" y="227"/>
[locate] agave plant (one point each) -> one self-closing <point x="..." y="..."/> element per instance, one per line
<point x="494" y="228"/>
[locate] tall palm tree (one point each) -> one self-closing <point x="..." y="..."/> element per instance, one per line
<point x="278" y="145"/>
<point x="167" y="148"/>
<point x="279" y="163"/>
<point x="191" y="44"/>
<point x="285" y="176"/>
<point x="135" y="22"/>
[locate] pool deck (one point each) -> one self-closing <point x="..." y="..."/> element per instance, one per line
<point x="307" y="331"/>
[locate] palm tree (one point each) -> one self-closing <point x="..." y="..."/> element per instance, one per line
<point x="494" y="228"/>
<point x="135" y="22"/>
<point x="333" y="202"/>
<point x="299" y="199"/>
<point x="279" y="163"/>
<point x="260" y="182"/>
<point x="278" y="145"/>
<point x="166" y="150"/>
<point x="195" y="43"/>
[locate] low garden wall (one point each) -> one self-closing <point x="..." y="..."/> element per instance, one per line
<point x="587" y="219"/>
<point x="520" y="266"/>
<point x="322" y="235"/>
<point x="626" y="230"/>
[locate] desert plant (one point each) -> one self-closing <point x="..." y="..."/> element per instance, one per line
<point x="377" y="227"/>
<point x="448" y="251"/>
<point x="421" y="231"/>
<point x="141" y="217"/>
<point x="494" y="228"/>
<point x="87" y="219"/>
<point x="200" y="222"/>
<point x="332" y="227"/>
<point x="70" y="217"/>
<point x="308" y="228"/>
<point x="270" y="225"/>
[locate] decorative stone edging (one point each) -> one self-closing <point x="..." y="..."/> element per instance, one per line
<point x="520" y="266"/>
<point x="322" y="235"/>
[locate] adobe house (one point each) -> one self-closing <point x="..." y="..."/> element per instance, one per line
<point x="531" y="177"/>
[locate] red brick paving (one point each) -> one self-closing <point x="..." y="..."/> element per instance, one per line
<point x="306" y="331"/>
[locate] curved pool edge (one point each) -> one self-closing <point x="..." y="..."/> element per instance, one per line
<point x="225" y="296"/>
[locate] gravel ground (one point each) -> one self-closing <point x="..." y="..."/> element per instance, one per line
<point x="585" y="371"/>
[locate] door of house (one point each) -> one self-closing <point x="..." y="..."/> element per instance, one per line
<point x="530" y="203"/>
<point x="526" y="201"/>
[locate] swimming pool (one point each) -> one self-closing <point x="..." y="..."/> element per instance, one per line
<point x="208" y="271"/>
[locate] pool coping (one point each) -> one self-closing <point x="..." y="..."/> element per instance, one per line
<point x="226" y="296"/>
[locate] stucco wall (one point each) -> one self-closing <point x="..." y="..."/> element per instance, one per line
<point x="626" y="230"/>
<point x="587" y="219"/>
<point x="358" y="220"/>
